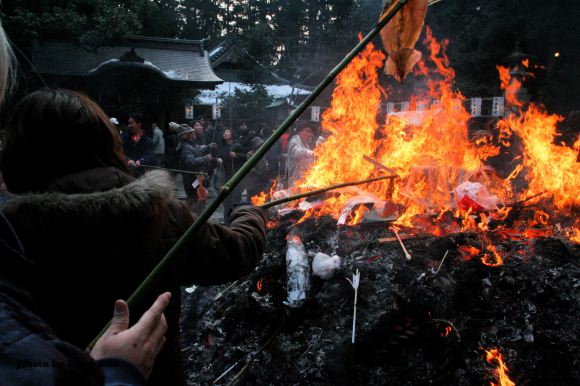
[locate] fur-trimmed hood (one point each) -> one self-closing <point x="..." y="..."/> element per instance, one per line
<point x="138" y="195"/>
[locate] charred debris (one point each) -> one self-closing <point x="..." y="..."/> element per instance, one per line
<point x="427" y="320"/>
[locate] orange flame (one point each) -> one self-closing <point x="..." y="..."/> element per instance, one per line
<point x="358" y="215"/>
<point x="574" y="235"/>
<point x="262" y="197"/>
<point x="494" y="355"/>
<point x="549" y="166"/>
<point x="259" y="199"/>
<point x="432" y="155"/>
<point x="352" y="124"/>
<point x="510" y="86"/>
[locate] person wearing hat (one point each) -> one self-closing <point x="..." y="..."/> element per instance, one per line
<point x="119" y="128"/>
<point x="193" y="158"/>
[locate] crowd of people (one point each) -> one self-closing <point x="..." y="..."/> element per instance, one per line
<point x="207" y="156"/>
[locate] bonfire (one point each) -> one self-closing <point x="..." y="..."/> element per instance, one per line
<point x="462" y="271"/>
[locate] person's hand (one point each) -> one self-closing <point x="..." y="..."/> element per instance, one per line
<point x="137" y="163"/>
<point x="213" y="145"/>
<point x="209" y="157"/>
<point x="139" y="344"/>
<point x="131" y="163"/>
<point x="232" y="154"/>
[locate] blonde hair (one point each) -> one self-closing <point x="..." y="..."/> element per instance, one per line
<point x="7" y="65"/>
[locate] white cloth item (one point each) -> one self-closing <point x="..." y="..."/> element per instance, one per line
<point x="324" y="266"/>
<point x="300" y="157"/>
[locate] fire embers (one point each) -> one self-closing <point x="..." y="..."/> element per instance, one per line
<point x="494" y="357"/>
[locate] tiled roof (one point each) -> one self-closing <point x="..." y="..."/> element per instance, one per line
<point x="182" y="60"/>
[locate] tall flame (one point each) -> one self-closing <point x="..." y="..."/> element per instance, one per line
<point x="351" y="120"/>
<point x="432" y="156"/>
<point x="550" y="167"/>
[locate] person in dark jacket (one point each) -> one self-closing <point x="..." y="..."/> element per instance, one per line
<point x="93" y="220"/>
<point x="231" y="156"/>
<point x="258" y="179"/>
<point x="171" y="142"/>
<point x="30" y="351"/>
<point x="193" y="158"/>
<point x="137" y="145"/>
<point x="243" y="136"/>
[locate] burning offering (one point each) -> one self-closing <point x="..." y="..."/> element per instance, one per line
<point x="400" y="36"/>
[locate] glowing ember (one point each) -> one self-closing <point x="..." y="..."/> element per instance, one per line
<point x="492" y="356"/>
<point x="574" y="235"/>
<point x="492" y="258"/>
<point x="259" y="285"/>
<point x="448" y="330"/>
<point x="271" y="224"/>
<point x="468" y="252"/>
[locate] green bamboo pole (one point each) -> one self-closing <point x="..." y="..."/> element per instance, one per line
<point x="145" y="286"/>
<point x="322" y="190"/>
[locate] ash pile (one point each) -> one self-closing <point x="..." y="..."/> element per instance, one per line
<point x="439" y="317"/>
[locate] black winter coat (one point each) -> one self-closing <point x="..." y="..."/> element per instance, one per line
<point x="231" y="165"/>
<point x="141" y="151"/>
<point x="95" y="235"/>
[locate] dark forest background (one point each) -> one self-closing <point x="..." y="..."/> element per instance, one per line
<point x="301" y="40"/>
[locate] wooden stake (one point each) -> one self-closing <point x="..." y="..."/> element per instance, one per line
<point x="442" y="260"/>
<point x="407" y="254"/>
<point x="354" y="283"/>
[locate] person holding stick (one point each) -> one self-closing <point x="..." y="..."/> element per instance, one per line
<point x="31" y="353"/>
<point x="300" y="154"/>
<point x="93" y="220"/>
